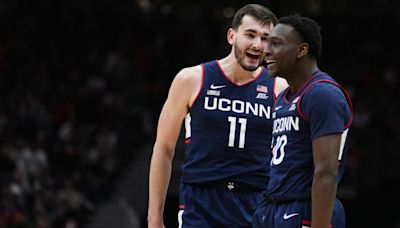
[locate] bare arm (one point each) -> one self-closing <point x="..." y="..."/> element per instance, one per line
<point x="181" y="94"/>
<point x="324" y="186"/>
<point x="280" y="85"/>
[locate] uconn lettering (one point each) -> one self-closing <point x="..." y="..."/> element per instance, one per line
<point x="237" y="106"/>
<point x="285" y="124"/>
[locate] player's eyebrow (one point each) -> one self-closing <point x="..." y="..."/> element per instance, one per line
<point x="255" y="31"/>
<point x="275" y="38"/>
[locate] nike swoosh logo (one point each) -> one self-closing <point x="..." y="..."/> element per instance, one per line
<point x="288" y="216"/>
<point x="279" y="107"/>
<point x="217" y="86"/>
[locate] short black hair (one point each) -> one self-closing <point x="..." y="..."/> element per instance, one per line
<point x="308" y="29"/>
<point x="259" y="12"/>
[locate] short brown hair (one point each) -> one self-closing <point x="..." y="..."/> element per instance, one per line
<point x="259" y="12"/>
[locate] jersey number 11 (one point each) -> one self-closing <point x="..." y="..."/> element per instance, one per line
<point x="232" y="131"/>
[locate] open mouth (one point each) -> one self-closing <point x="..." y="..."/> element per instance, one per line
<point x="270" y="62"/>
<point x="252" y="56"/>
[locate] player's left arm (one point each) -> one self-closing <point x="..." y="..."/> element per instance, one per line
<point x="324" y="186"/>
<point x="327" y="111"/>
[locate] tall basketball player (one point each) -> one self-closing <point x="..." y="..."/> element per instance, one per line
<point x="227" y="107"/>
<point x="311" y="121"/>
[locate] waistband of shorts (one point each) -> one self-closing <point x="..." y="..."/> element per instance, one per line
<point x="274" y="199"/>
<point x="228" y="185"/>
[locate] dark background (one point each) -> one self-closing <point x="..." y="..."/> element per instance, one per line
<point x="82" y="84"/>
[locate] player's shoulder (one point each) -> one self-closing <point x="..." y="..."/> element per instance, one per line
<point x="325" y="90"/>
<point x="325" y="86"/>
<point x="188" y="80"/>
<point x="188" y="73"/>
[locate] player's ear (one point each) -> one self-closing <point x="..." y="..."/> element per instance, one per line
<point x="230" y="35"/>
<point x="302" y="50"/>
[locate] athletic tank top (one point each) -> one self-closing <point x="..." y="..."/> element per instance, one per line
<point x="319" y="108"/>
<point x="228" y="130"/>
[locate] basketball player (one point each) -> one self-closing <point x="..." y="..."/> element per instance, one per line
<point x="311" y="121"/>
<point x="227" y="107"/>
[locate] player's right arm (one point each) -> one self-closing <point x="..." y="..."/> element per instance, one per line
<point x="182" y="93"/>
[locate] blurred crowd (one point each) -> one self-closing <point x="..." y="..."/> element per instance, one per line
<point x="69" y="113"/>
<point x="82" y="84"/>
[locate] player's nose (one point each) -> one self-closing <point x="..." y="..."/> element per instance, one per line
<point x="257" y="44"/>
<point x="267" y="50"/>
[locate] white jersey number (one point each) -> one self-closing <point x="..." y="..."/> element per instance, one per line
<point x="278" y="152"/>
<point x="232" y="131"/>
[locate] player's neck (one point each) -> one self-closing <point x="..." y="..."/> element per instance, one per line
<point x="301" y="75"/>
<point x="235" y="72"/>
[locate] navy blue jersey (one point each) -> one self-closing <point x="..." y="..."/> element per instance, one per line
<point x="319" y="108"/>
<point x="228" y="130"/>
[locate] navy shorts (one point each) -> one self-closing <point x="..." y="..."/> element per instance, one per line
<point x="293" y="214"/>
<point x="209" y="207"/>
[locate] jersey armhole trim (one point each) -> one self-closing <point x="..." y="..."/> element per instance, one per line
<point x="273" y="89"/>
<point x="200" y="89"/>
<point x="347" y="96"/>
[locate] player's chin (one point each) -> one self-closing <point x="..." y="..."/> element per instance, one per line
<point x="272" y="69"/>
<point x="251" y="66"/>
<point x="272" y="72"/>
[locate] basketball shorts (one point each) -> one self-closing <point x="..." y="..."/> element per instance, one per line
<point x="293" y="214"/>
<point x="216" y="207"/>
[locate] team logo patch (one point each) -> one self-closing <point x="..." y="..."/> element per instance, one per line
<point x="288" y="216"/>
<point x="217" y="86"/>
<point x="213" y="92"/>
<point x="231" y="185"/>
<point x="293" y="106"/>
